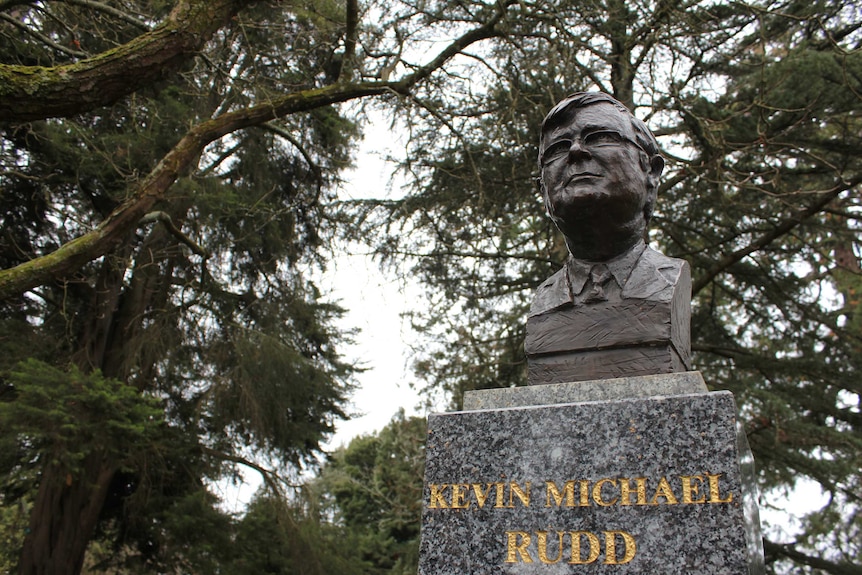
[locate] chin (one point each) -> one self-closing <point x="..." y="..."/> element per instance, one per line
<point x="576" y="202"/>
<point x="593" y="209"/>
<point x="596" y="220"/>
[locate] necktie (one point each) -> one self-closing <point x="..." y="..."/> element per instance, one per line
<point x="599" y="276"/>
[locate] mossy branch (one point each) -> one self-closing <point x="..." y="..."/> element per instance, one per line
<point x="72" y="255"/>
<point x="37" y="92"/>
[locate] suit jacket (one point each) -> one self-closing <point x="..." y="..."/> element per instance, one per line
<point x="642" y="328"/>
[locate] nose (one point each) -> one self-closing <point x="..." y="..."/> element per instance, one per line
<point x="578" y="151"/>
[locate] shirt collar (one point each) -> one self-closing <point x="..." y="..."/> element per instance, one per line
<point x="578" y="271"/>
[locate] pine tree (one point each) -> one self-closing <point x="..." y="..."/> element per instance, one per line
<point x="166" y="172"/>
<point x="374" y="486"/>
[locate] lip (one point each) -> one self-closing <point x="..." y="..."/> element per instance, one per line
<point x="582" y="176"/>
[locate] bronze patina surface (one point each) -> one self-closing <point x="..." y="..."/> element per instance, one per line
<point x="617" y="308"/>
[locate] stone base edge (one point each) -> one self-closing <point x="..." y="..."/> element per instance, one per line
<point x="683" y="383"/>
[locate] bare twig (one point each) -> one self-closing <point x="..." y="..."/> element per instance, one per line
<point x="281" y="132"/>
<point x="817" y="206"/>
<point x="270" y="477"/>
<point x="166" y="220"/>
<point x="102" y="7"/>
<point x="42" y="38"/>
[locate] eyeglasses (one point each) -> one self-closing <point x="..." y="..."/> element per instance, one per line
<point x="590" y="141"/>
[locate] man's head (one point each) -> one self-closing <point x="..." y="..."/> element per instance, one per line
<point x="600" y="169"/>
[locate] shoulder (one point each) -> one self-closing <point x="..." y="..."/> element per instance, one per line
<point x="551" y="294"/>
<point x="656" y="260"/>
<point x="655" y="276"/>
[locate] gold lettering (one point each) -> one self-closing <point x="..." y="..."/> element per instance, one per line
<point x="597" y="492"/>
<point x="459" y="490"/>
<point x="664" y="490"/>
<point x="554" y="492"/>
<point x="542" y="544"/>
<point x="438" y="500"/>
<point x="576" y="547"/>
<point x="500" y="501"/>
<point x="691" y="490"/>
<point x="611" y="547"/>
<point x="513" y="547"/>
<point x="714" y="495"/>
<point x="585" y="492"/>
<point x="524" y="496"/>
<point x="480" y="496"/>
<point x="626" y="491"/>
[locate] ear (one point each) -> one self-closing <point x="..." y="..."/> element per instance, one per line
<point x="656" y="165"/>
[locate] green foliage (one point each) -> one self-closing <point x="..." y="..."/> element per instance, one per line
<point x="376" y="487"/>
<point x="277" y="537"/>
<point x="66" y="415"/>
<point x="13" y="526"/>
<point x="198" y="344"/>
<point x="275" y="397"/>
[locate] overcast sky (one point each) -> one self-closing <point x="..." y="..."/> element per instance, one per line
<point x="374" y="301"/>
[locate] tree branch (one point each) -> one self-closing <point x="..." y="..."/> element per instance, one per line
<point x="351" y="38"/>
<point x="166" y="220"/>
<point x="269" y="477"/>
<point x="822" y="201"/>
<point x="312" y="165"/>
<point x="37" y="92"/>
<point x="789" y="551"/>
<point x="102" y="7"/>
<point x="6" y="4"/>
<point x="42" y="38"/>
<point x="70" y="256"/>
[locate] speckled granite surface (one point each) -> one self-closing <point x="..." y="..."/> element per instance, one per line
<point x="647" y="486"/>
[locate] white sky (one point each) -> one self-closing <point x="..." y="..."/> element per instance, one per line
<point x="374" y="301"/>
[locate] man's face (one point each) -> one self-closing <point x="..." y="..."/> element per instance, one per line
<point x="594" y="173"/>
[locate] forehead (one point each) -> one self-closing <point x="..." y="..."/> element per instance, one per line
<point x="601" y="115"/>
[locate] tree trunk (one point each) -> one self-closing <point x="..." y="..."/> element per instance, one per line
<point x="64" y="517"/>
<point x="69" y="501"/>
<point x="622" y="70"/>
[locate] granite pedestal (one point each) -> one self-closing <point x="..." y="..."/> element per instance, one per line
<point x="561" y="479"/>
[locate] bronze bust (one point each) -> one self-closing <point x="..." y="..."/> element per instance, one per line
<point x="617" y="308"/>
